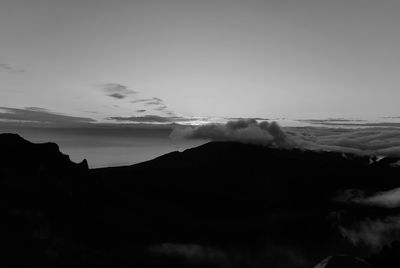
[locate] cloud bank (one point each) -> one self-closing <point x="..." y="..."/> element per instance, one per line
<point x="378" y="141"/>
<point x="384" y="199"/>
<point x="374" y="233"/>
<point x="353" y="123"/>
<point x="243" y="130"/>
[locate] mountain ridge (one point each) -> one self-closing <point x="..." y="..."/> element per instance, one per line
<point x="222" y="204"/>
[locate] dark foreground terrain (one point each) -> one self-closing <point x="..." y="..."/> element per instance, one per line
<point x="218" y="205"/>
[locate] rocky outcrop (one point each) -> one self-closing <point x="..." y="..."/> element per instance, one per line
<point x="18" y="153"/>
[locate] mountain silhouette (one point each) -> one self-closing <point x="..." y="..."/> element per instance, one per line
<point x="222" y="204"/>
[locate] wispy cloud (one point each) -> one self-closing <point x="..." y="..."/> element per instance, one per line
<point x="117" y="91"/>
<point x="191" y="252"/>
<point x="162" y="108"/>
<point x="10" y="69"/>
<point x="37" y="109"/>
<point x="39" y="115"/>
<point x="148" y="119"/>
<point x="375" y="233"/>
<point x="149" y="101"/>
<point x="154" y="104"/>
<point x="350" y="123"/>
<point x="383" y="199"/>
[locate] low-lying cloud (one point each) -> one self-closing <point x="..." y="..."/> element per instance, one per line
<point x="384" y="199"/>
<point x="373" y="140"/>
<point x="375" y="233"/>
<point x="378" y="141"/>
<point x="190" y="252"/>
<point x="353" y="123"/>
<point x="244" y="130"/>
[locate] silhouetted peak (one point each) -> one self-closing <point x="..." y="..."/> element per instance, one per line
<point x="16" y="152"/>
<point x="229" y="153"/>
<point x="9" y="139"/>
<point x="84" y="164"/>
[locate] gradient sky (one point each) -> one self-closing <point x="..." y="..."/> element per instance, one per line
<point x="253" y="58"/>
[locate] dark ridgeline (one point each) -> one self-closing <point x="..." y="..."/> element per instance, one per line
<point x="221" y="204"/>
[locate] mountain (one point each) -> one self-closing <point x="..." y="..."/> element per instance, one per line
<point x="222" y="204"/>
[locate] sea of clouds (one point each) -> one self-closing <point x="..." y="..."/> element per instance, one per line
<point x="383" y="141"/>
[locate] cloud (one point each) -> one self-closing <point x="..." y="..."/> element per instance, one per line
<point x="148" y="119"/>
<point x="162" y="108"/>
<point x="117" y="95"/>
<point x="156" y="105"/>
<point x="389" y="199"/>
<point x="150" y="101"/>
<point x="117" y="91"/>
<point x="341" y="122"/>
<point x="381" y="141"/>
<point x="391" y="117"/>
<point x="37" y="109"/>
<point x="10" y="68"/>
<point x="195" y="255"/>
<point x="140" y="101"/>
<point x="321" y="121"/>
<point x="39" y="115"/>
<point x="190" y="252"/>
<point x="375" y="233"/>
<point x="384" y="199"/>
<point x="170" y="113"/>
<point x="243" y="130"/>
<point x="141" y="111"/>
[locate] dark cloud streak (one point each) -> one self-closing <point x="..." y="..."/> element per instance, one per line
<point x="40" y="115"/>
<point x="149" y="101"/>
<point x="117" y="91"/>
<point x="350" y="123"/>
<point x="10" y="68"/>
<point x="148" y="118"/>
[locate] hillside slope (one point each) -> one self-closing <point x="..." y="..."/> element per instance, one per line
<point x="221" y="204"/>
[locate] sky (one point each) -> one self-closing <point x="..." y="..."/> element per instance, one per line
<point x="162" y="60"/>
